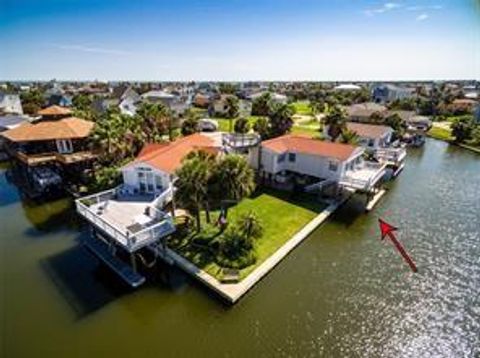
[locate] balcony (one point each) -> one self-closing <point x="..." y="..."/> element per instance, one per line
<point x="240" y="141"/>
<point x="132" y="220"/>
<point x="43" y="158"/>
<point x="391" y="156"/>
<point x="363" y="176"/>
<point x="69" y="158"/>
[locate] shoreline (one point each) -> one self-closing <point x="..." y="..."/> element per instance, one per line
<point x="232" y="292"/>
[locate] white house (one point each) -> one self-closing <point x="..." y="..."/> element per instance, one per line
<point x="10" y="104"/>
<point x="154" y="168"/>
<point x="326" y="161"/>
<point x="377" y="140"/>
<point x="275" y="97"/>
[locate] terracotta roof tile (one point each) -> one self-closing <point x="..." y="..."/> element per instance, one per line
<point x="66" y="128"/>
<point x="306" y="145"/>
<point x="168" y="158"/>
<point x="55" y="111"/>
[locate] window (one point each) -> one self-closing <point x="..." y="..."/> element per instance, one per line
<point x="332" y="166"/>
<point x="158" y="181"/>
<point x="292" y="157"/>
<point x="371" y="142"/>
<point x="281" y="158"/>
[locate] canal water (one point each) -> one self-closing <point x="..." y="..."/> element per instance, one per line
<point x="342" y="293"/>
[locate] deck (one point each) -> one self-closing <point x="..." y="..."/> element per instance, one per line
<point x="132" y="221"/>
<point x="365" y="177"/>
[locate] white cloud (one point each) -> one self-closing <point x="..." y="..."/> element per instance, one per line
<point x="388" y="6"/>
<point x="421" y="8"/>
<point x="422" y="17"/>
<point x="89" y="49"/>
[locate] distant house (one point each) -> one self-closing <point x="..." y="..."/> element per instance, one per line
<point x="464" y="105"/>
<point x="172" y="101"/>
<point x="10" y="104"/>
<point x="371" y="136"/>
<point x="377" y="140"/>
<point x="275" y="97"/>
<point x="388" y="93"/>
<point x="201" y="100"/>
<point x="347" y="87"/>
<point x="59" y="99"/>
<point x="341" y="164"/>
<point x="159" y="96"/>
<point x="362" y="112"/>
<point x="219" y="105"/>
<point x="61" y="141"/>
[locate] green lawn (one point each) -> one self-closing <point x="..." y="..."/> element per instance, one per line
<point x="302" y="107"/>
<point x="224" y="123"/>
<point x="440" y="133"/>
<point x="282" y="215"/>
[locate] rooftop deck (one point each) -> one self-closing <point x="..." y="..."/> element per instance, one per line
<point x="133" y="221"/>
<point x="364" y="177"/>
<point x="391" y="156"/>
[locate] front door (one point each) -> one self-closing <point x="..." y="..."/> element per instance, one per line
<point x="146" y="182"/>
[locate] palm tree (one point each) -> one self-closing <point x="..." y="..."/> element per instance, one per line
<point x="250" y="225"/>
<point x="232" y="108"/>
<point x="192" y="185"/>
<point x="349" y="137"/>
<point x="191" y="124"/>
<point x="261" y="104"/>
<point x="107" y="133"/>
<point x="242" y="125"/>
<point x="157" y="120"/>
<point x="262" y="127"/>
<point x="336" y="121"/>
<point x="234" y="178"/>
<point x="281" y="120"/>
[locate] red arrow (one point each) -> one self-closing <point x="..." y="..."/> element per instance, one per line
<point x="387" y="230"/>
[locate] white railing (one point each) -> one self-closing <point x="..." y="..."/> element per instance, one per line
<point x="391" y="154"/>
<point x="163" y="198"/>
<point x="349" y="179"/>
<point x="237" y="140"/>
<point x="132" y="241"/>
<point x="151" y="234"/>
<point x="101" y="223"/>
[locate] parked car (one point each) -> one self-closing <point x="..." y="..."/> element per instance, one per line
<point x="208" y="125"/>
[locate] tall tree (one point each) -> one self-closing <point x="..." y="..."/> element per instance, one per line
<point x="242" y="125"/>
<point x="262" y="127"/>
<point x="190" y="124"/>
<point x="281" y="120"/>
<point x="234" y="177"/>
<point x="233" y="107"/>
<point x="336" y="122"/>
<point x="32" y="101"/>
<point x="192" y="185"/>
<point x="261" y="104"/>
<point x="349" y="137"/>
<point x="462" y="128"/>
<point x="157" y="120"/>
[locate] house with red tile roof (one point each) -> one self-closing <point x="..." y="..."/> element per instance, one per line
<point x="154" y="168"/>
<point x="300" y="156"/>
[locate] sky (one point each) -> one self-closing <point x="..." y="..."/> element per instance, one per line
<point x="238" y="40"/>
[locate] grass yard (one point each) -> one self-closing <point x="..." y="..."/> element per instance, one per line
<point x="440" y="133"/>
<point x="302" y="107"/>
<point x="224" y="123"/>
<point x="282" y="215"/>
